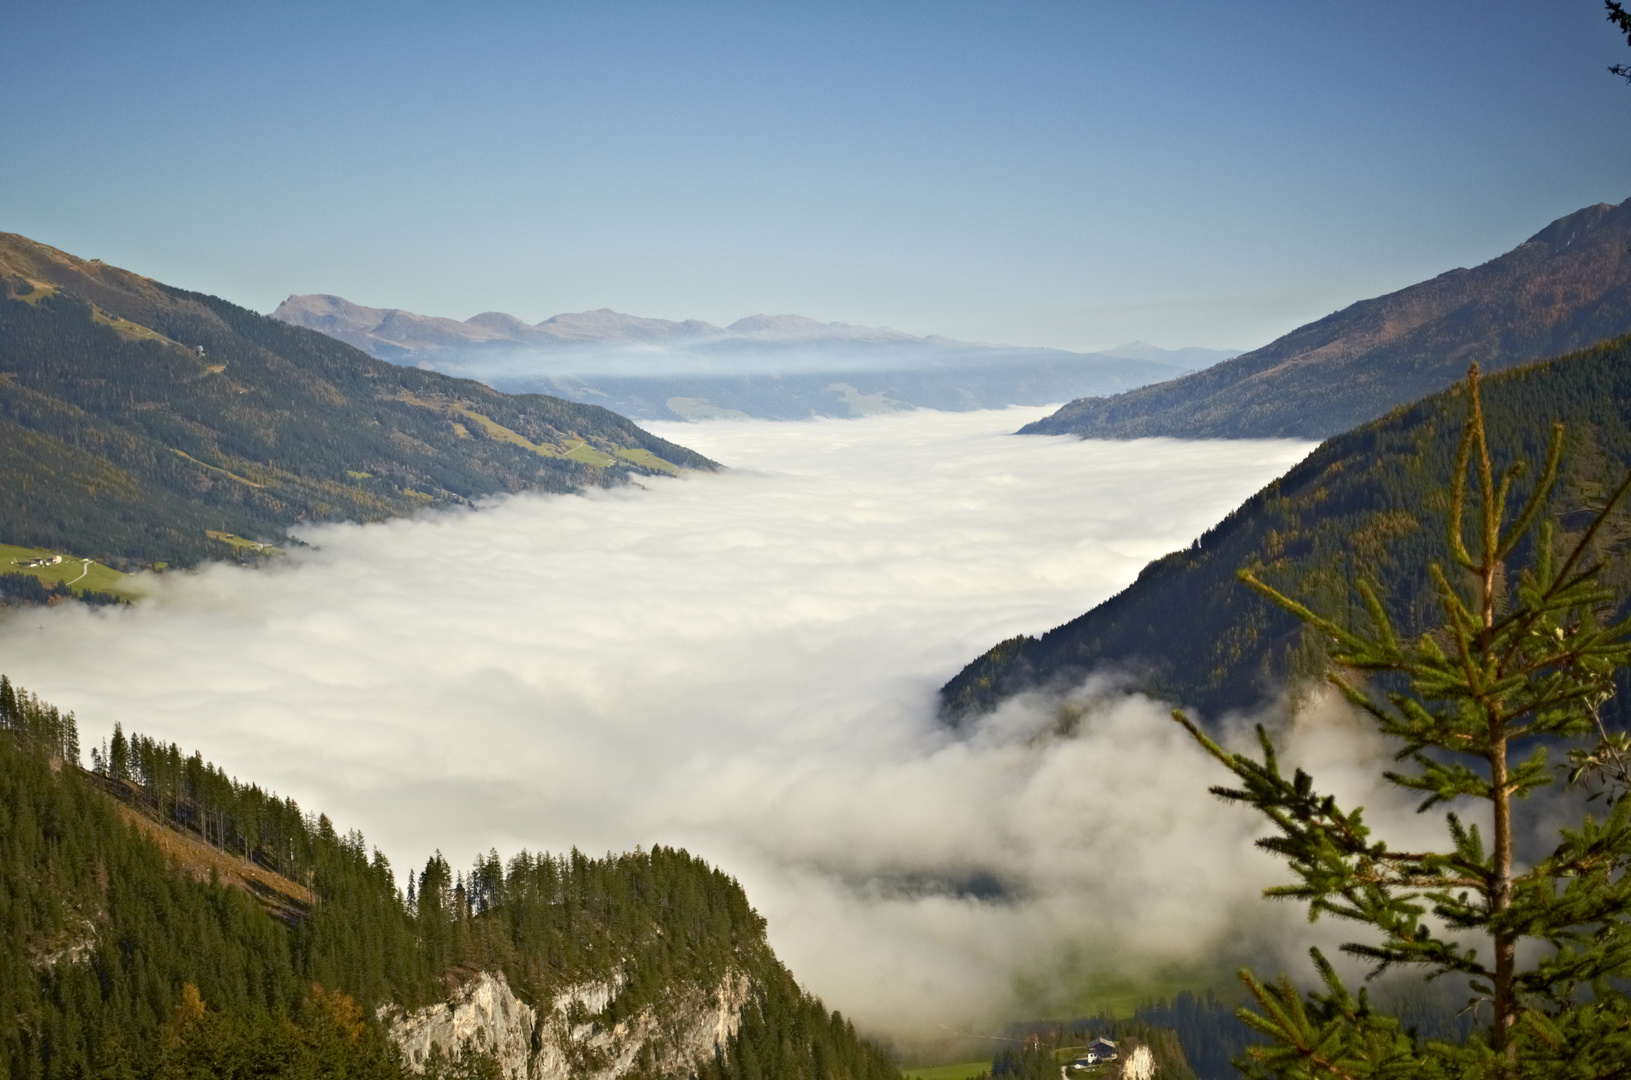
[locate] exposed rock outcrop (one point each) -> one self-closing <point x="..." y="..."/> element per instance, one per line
<point x="1138" y="1063"/>
<point x="574" y="1039"/>
<point x="484" y="1016"/>
<point x="71" y="944"/>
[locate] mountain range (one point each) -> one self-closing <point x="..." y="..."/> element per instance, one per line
<point x="141" y="423"/>
<point x="1564" y="288"/>
<point x="394" y="334"/>
<point x="770" y="366"/>
<point x="1370" y="503"/>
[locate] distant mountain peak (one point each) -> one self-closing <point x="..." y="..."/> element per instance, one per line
<point x="779" y="365"/>
<point x="335" y="310"/>
<point x="603" y="325"/>
<point x="1566" y="287"/>
<point x="498" y="322"/>
<point x="800" y="328"/>
<point x="1137" y="349"/>
<point x="392" y="332"/>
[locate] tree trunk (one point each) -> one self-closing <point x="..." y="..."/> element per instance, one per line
<point x="1500" y="895"/>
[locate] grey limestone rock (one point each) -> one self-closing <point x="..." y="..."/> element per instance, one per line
<point x="571" y="1039"/>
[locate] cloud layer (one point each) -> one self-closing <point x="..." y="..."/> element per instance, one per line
<point x="743" y="664"/>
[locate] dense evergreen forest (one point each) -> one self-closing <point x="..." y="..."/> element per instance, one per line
<point x="24" y="589"/>
<point x="1368" y="503"/>
<point x="166" y="920"/>
<point x="135" y="418"/>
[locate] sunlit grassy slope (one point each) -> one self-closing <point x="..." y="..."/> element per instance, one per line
<point x="76" y="572"/>
<point x="966" y="1070"/>
<point x="138" y="421"/>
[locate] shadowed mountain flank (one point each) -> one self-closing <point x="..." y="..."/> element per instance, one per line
<point x="1369" y="503"/>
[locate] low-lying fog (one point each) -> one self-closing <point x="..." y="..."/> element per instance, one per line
<point x="744" y="664"/>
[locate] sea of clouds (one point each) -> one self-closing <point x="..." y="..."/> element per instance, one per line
<point x="745" y="664"/>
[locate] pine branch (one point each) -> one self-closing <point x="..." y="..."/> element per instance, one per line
<point x="1527" y="657"/>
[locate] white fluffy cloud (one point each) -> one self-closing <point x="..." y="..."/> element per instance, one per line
<point x="744" y="664"/>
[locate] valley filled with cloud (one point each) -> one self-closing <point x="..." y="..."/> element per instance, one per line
<point x="744" y="664"/>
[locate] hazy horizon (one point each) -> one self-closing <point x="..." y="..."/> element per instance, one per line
<point x="1055" y="175"/>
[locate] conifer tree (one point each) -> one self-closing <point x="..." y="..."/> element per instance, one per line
<point x="119" y="755"/>
<point x="1517" y="669"/>
<point x="1622" y="20"/>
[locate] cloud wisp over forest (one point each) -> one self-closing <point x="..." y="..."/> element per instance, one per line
<point x="744" y="664"/>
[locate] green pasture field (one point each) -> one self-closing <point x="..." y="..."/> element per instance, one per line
<point x="38" y="290"/>
<point x="1114" y="995"/>
<point x="498" y="431"/>
<point x="575" y="450"/>
<point x="582" y="451"/>
<point x="645" y="457"/>
<point x="71" y="569"/>
<point x="968" y="1070"/>
<point x="125" y="328"/>
<point x="238" y="543"/>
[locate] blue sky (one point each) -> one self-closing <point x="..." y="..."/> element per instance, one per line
<point x="1068" y="174"/>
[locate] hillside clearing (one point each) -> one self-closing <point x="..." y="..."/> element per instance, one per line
<point x="966" y="1070"/>
<point x="77" y="573"/>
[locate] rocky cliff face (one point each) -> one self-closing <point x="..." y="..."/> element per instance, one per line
<point x="1138" y="1064"/>
<point x="71" y="944"/>
<point x="484" y="1016"/>
<point x="572" y="1039"/>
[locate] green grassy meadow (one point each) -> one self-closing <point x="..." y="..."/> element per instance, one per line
<point x="238" y="544"/>
<point x="648" y="459"/>
<point x="1120" y="998"/>
<point x="581" y="451"/>
<point x="967" y="1070"/>
<point x="1119" y="995"/>
<point x="72" y="570"/>
<point x="575" y="449"/>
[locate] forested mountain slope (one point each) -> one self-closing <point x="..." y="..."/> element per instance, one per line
<point x="163" y="920"/>
<point x="1564" y="288"/>
<point x="1371" y="502"/>
<point x="136" y="417"/>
